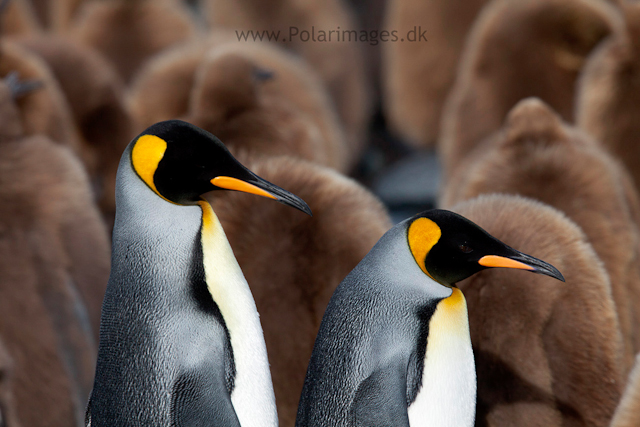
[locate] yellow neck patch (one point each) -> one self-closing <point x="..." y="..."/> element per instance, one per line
<point x="145" y="157"/>
<point x="208" y="225"/>
<point x="423" y="234"/>
<point x="455" y="304"/>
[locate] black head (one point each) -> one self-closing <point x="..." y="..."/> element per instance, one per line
<point x="180" y="162"/>
<point x="450" y="248"/>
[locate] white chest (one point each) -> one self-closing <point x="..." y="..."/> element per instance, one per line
<point x="253" y="397"/>
<point x="447" y="397"/>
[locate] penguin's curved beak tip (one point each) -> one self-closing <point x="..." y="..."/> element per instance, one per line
<point x="522" y="262"/>
<point x="264" y="188"/>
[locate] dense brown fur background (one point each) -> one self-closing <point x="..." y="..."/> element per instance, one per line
<point x="42" y="112"/>
<point x="8" y="416"/>
<point x="340" y="65"/>
<point x="125" y="31"/>
<point x="418" y="76"/>
<point x="518" y="49"/>
<point x="54" y="255"/>
<point x="19" y="18"/>
<point x="536" y="155"/>
<point x="95" y="94"/>
<point x="609" y="93"/>
<point x="628" y="412"/>
<point x="547" y="353"/>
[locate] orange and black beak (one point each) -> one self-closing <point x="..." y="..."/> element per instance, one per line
<point x="253" y="184"/>
<point x="522" y="262"/>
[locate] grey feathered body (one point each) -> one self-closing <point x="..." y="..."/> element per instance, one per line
<point x="164" y="357"/>
<point x="368" y="358"/>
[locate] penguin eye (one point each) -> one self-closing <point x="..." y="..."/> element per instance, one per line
<point x="466" y="249"/>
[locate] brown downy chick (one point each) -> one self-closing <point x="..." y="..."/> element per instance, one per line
<point x="417" y="75"/>
<point x="95" y="93"/>
<point x="609" y="93"/>
<point x="8" y="413"/>
<point x="628" y="412"/>
<point x="536" y="155"/>
<point x="226" y="101"/>
<point x="339" y="64"/>
<point x="252" y="95"/>
<point x="44" y="111"/>
<point x="162" y="88"/>
<point x="254" y="100"/>
<point x="54" y="265"/>
<point x="294" y="262"/>
<point x="518" y="49"/>
<point x="129" y="32"/>
<point x="547" y="353"/>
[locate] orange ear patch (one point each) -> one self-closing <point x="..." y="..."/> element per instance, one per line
<point x="145" y="157"/>
<point x="423" y="234"/>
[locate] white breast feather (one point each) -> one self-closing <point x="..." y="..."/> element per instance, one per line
<point x="447" y="397"/>
<point x="253" y="397"/>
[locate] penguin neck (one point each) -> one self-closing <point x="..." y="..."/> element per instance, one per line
<point x="447" y="396"/>
<point x="252" y="397"/>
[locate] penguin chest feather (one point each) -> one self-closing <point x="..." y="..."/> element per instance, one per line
<point x="447" y="397"/>
<point x="252" y="397"/>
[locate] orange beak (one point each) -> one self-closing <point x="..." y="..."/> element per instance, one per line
<point x="498" y="261"/>
<point x="230" y="183"/>
<point x="521" y="261"/>
<point x="260" y="187"/>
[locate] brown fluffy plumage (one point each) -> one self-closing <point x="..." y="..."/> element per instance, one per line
<point x="18" y="18"/>
<point x="162" y="88"/>
<point x="417" y="76"/>
<point x="62" y="13"/>
<point x="128" y="32"/>
<point x="95" y="93"/>
<point x="628" y="412"/>
<point x="547" y="353"/>
<point x="44" y="111"/>
<point x="518" y="49"/>
<point x="339" y="64"/>
<point x="254" y="96"/>
<point x="41" y="384"/>
<point x="536" y="155"/>
<point x="609" y="93"/>
<point x="370" y="14"/>
<point x="8" y="415"/>
<point x="56" y="15"/>
<point x="294" y="262"/>
<point x="54" y="265"/>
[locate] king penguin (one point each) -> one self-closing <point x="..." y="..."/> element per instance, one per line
<point x="393" y="347"/>
<point x="180" y="338"/>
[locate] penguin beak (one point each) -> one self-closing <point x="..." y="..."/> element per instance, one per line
<point x="260" y="187"/>
<point x="522" y="262"/>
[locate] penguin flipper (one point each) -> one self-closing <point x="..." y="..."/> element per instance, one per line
<point x="381" y="399"/>
<point x="202" y="401"/>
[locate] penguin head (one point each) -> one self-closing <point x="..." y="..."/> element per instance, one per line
<point x="180" y="162"/>
<point x="449" y="248"/>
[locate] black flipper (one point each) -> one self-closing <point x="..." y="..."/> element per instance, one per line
<point x="201" y="401"/>
<point x="381" y="399"/>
